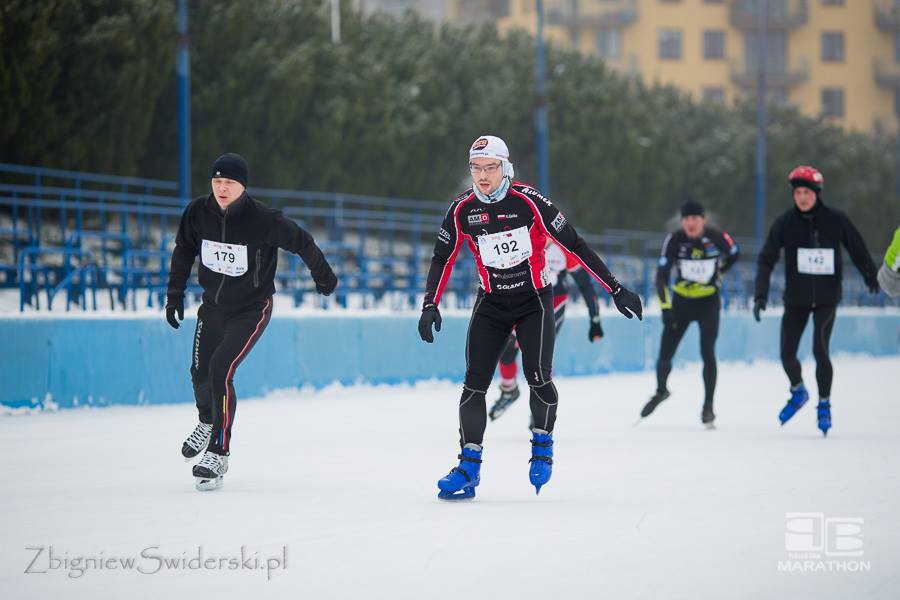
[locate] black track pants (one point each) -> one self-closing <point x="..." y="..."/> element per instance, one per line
<point x="792" y="325"/>
<point x="511" y="350"/>
<point x="684" y="311"/>
<point x="222" y="339"/>
<point x="493" y="319"/>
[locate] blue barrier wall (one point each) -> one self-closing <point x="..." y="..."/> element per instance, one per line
<point x="87" y="361"/>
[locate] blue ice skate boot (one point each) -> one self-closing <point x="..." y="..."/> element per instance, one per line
<point x="541" y="463"/>
<point x="824" y="410"/>
<point x="799" y="396"/>
<point x="461" y="481"/>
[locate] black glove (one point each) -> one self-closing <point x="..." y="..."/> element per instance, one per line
<point x="759" y="305"/>
<point x="595" y="332"/>
<point x="327" y="286"/>
<point x="430" y="315"/>
<point x="628" y="302"/>
<point x="175" y="305"/>
<point x="872" y="284"/>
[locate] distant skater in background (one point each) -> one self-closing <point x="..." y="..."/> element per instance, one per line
<point x="700" y="255"/>
<point x="811" y="235"/>
<point x="237" y="239"/>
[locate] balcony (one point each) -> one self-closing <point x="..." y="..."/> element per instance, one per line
<point x="745" y="74"/>
<point x="475" y="11"/>
<point x="887" y="73"/>
<point x="611" y="14"/>
<point x="887" y="16"/>
<point x="627" y="64"/>
<point x="782" y="14"/>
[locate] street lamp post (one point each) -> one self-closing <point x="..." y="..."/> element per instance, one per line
<point x="183" y="71"/>
<point x="540" y="114"/>
<point x="761" y="91"/>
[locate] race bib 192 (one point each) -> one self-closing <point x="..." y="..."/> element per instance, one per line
<point x="699" y="271"/>
<point x="504" y="249"/>
<point x="815" y="261"/>
<point x="228" y="259"/>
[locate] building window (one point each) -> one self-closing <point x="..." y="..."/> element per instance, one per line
<point x="832" y="2"/>
<point x="897" y="47"/>
<point x="713" y="45"/>
<point x="713" y="1"/>
<point x="833" y="102"/>
<point x="714" y="94"/>
<point x="608" y="43"/>
<point x="670" y="44"/>
<point x="833" y="46"/>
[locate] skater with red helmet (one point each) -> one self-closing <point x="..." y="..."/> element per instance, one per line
<point x="811" y="235"/>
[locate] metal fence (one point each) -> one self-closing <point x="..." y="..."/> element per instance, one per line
<point x="83" y="234"/>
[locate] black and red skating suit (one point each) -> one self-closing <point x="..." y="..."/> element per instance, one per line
<point x="508" y="238"/>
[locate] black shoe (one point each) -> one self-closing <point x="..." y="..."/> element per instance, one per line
<point x="507" y="397"/>
<point x="709" y="417"/>
<point x="654" y="402"/>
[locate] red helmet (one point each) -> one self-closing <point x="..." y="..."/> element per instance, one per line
<point x="805" y="176"/>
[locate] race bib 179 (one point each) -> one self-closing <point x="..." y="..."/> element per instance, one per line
<point x="228" y="259"/>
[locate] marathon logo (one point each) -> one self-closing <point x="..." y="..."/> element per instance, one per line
<point x="559" y="222"/>
<point x="479" y="219"/>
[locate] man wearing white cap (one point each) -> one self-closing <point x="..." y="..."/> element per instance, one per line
<point x="506" y="224"/>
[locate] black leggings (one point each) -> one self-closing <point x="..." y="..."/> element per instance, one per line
<point x="511" y="349"/>
<point x="792" y="325"/>
<point x="685" y="310"/>
<point x="222" y="339"/>
<point x="493" y="319"/>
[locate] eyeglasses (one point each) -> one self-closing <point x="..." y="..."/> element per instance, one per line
<point x="487" y="169"/>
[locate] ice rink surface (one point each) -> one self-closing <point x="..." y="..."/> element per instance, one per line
<point x="342" y="483"/>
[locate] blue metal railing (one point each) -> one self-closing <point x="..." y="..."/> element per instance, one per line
<point x="83" y="232"/>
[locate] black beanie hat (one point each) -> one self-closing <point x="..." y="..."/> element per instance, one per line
<point x="231" y="166"/>
<point x="795" y="183"/>
<point x="690" y="208"/>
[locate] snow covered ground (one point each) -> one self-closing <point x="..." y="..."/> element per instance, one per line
<point x="342" y="483"/>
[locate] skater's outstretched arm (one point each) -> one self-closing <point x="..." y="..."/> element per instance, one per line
<point x="859" y="254"/>
<point x="286" y="234"/>
<point x="729" y="249"/>
<point x="586" y="287"/>
<point x="555" y="225"/>
<point x="446" y="248"/>
<point x="768" y="258"/>
<point x="184" y="254"/>
<point x="663" y="269"/>
<point x="588" y="292"/>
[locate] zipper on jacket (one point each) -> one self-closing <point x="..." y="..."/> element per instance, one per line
<point x="815" y="244"/>
<point x="221" y="283"/>
<point x="256" y="271"/>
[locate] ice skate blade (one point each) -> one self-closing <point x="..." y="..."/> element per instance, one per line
<point x="207" y="485"/>
<point x="463" y="494"/>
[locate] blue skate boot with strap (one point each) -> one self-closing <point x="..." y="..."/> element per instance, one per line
<point x="824" y="413"/>
<point x="541" y="463"/>
<point x="461" y="481"/>
<point x="799" y="396"/>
